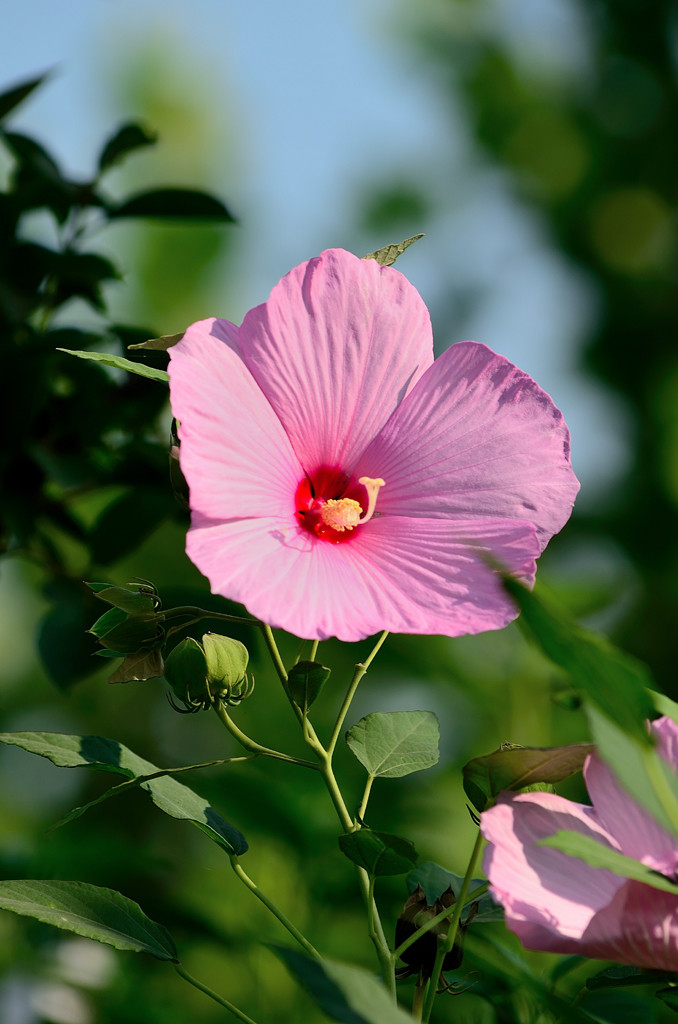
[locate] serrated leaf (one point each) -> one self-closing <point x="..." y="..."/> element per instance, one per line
<point x="516" y="768"/>
<point x="163" y="344"/>
<point x="387" y="256"/>
<point x="126" y="139"/>
<point x="88" y="910"/>
<point x="172" y="203"/>
<point x="120" y="363"/>
<point x="343" y="992"/>
<point x="595" y="853"/>
<point x="378" y="853"/>
<point x="396" y="743"/>
<point x="11" y="98"/>
<point x="108" y="755"/>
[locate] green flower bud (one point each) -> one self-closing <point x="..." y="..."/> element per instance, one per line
<point x="201" y="675"/>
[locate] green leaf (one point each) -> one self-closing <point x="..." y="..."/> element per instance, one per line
<point x="344" y="993"/>
<point x="305" y="681"/>
<point x="387" y="256"/>
<point x="621" y="975"/>
<point x="158" y="344"/>
<point x="613" y="681"/>
<point x="120" y="363"/>
<point x="598" y="855"/>
<point x="650" y="781"/>
<point x="517" y="768"/>
<point x="107" y="755"/>
<point x="138" y="666"/>
<point x="88" y="910"/>
<point x="669" y="996"/>
<point x="108" y="621"/>
<point x="171" y="203"/>
<point x="396" y="743"/>
<point x="435" y="880"/>
<point x="379" y="853"/>
<point x="135" y="598"/>
<point x="11" y="98"/>
<point x="619" y="1007"/>
<point x="123" y="141"/>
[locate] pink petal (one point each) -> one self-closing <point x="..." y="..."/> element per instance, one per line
<point x="234" y="452"/>
<point x="407" y="576"/>
<point x="476" y="437"/>
<point x="335" y="348"/>
<point x="639" y="927"/>
<point x="549" y="897"/>
<point x="636" y="832"/>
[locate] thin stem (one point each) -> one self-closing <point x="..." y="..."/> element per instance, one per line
<point x="257" y="748"/>
<point x="418" y="998"/>
<point x="360" y="670"/>
<point x="270" y="905"/>
<point x="208" y="992"/>
<point x="360" y="815"/>
<point x="269" y="639"/>
<point x="314" y="650"/>
<point x="445" y="947"/>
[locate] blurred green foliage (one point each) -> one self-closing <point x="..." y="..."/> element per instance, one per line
<point x="84" y="494"/>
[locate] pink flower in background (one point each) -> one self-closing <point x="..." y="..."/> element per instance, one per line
<point x="561" y="904"/>
<point x="341" y="481"/>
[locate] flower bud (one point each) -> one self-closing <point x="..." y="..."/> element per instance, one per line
<point x="421" y="955"/>
<point x="203" y="674"/>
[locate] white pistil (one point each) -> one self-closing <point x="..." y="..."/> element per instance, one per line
<point x="372" y="486"/>
<point x="345" y="513"/>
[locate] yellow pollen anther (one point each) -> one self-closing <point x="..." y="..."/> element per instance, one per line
<point x="341" y="514"/>
<point x="372" y="486"/>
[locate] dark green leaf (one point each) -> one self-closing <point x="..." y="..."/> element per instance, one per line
<point x="120" y="363"/>
<point x="11" y="98"/>
<point x="109" y="620"/>
<point x="387" y="256"/>
<point x="619" y="1007"/>
<point x="107" y="755"/>
<point x="345" y="993"/>
<point x="127" y="138"/>
<point x="96" y="913"/>
<point x="139" y="666"/>
<point x="435" y="880"/>
<point x="517" y="768"/>
<point x="669" y="996"/>
<point x="598" y="855"/>
<point x="305" y="681"/>
<point x="379" y="853"/>
<point x="135" y="598"/>
<point x="622" y="975"/>
<point x="159" y="344"/>
<point x="171" y="203"/>
<point x="612" y="680"/>
<point x="396" y="743"/>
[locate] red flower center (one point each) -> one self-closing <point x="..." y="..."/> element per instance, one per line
<point x="330" y="504"/>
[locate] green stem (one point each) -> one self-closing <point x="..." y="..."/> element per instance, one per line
<point x="269" y="639"/>
<point x="256" y="748"/>
<point x="314" y="651"/>
<point x="360" y="670"/>
<point x="433" y="921"/>
<point x="270" y="905"/>
<point x="445" y="947"/>
<point x="360" y="815"/>
<point x="208" y="992"/>
<point x="418" y="998"/>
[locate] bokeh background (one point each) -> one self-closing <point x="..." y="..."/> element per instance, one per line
<point x="535" y="145"/>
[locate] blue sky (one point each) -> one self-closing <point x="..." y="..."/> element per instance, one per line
<point x="318" y="96"/>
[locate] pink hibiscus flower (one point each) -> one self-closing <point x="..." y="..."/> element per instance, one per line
<point x="561" y="904"/>
<point x="341" y="481"/>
